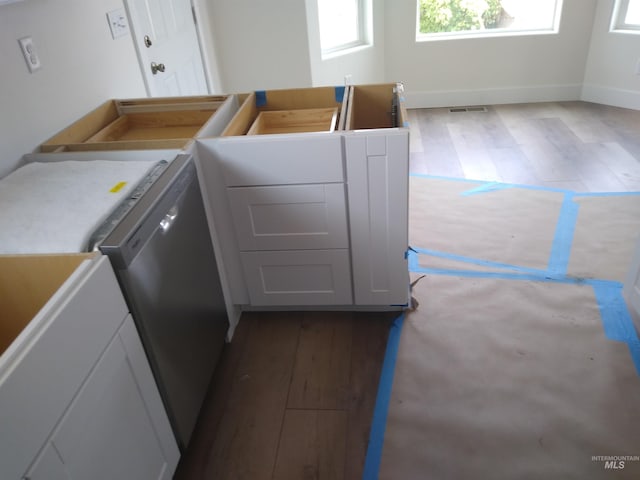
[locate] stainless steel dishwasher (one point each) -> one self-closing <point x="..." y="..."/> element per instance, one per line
<point x="163" y="257"/>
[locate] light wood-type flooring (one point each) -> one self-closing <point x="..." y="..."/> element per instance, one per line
<point x="576" y="146"/>
<point x="294" y="392"/>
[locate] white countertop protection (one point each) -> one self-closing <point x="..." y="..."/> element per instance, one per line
<point x="54" y="207"/>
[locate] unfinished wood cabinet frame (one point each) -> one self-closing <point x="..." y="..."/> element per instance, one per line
<point x="156" y="123"/>
<point x="27" y="282"/>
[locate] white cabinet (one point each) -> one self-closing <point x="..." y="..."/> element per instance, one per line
<point x="313" y="218"/>
<point x="378" y="210"/>
<point x="283" y="159"/>
<point x="290" y="217"/>
<point x="76" y="391"/>
<point x="298" y="277"/>
<point x="109" y="431"/>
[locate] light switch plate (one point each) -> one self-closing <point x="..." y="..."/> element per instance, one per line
<point x="118" y="23"/>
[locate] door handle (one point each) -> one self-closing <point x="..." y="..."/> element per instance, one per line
<point x="157" y="67"/>
<point x="169" y="218"/>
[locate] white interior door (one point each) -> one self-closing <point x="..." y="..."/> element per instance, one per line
<point x="166" y="40"/>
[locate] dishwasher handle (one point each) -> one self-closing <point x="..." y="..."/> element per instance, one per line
<point x="169" y="219"/>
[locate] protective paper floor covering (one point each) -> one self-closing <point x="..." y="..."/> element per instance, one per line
<point x="506" y="379"/>
<point x="520" y="361"/>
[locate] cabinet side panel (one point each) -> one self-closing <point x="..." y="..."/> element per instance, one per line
<point x="377" y="176"/>
<point x="221" y="225"/>
<point x="149" y="392"/>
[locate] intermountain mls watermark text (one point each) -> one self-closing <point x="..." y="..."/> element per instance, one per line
<point x="615" y="462"/>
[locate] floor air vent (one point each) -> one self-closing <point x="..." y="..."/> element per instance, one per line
<point x="467" y="109"/>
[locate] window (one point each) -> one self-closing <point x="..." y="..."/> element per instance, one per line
<point x="343" y="24"/>
<point x="626" y="16"/>
<point x="463" y="18"/>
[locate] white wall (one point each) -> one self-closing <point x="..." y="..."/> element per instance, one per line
<point x="613" y="58"/>
<point x="365" y="64"/>
<point x="262" y="44"/>
<point x="488" y="70"/>
<point x="82" y="66"/>
<point x="270" y="44"/>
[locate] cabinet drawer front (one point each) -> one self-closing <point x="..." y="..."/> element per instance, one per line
<point x="34" y="394"/>
<point x="290" y="217"/>
<point x="309" y="277"/>
<point x="280" y="159"/>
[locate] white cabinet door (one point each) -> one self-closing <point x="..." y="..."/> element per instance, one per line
<point x="66" y="338"/>
<point x="112" y="429"/>
<point x="298" y="277"/>
<point x="377" y="164"/>
<point x="632" y="286"/>
<point x="290" y="217"/>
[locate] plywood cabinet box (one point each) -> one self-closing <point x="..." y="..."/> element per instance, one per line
<point x="76" y="391"/>
<point x="312" y="214"/>
<point x="143" y="124"/>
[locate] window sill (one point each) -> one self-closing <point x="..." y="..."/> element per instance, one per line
<point x="436" y="37"/>
<point x="631" y="31"/>
<point x="346" y="51"/>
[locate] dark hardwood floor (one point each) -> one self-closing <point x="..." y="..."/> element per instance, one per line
<point x="292" y="398"/>
<point x="294" y="393"/>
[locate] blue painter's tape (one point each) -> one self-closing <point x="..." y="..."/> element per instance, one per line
<point x="405" y="124"/>
<point x="616" y="320"/>
<point x="477" y="261"/>
<point x="339" y="94"/>
<point x="506" y="185"/>
<point x="437" y="177"/>
<point x="615" y="316"/>
<point x="261" y="98"/>
<point x="634" y="350"/>
<point x="412" y="256"/>
<point x="379" y="422"/>
<point x="565" y="228"/>
<point x="487" y="187"/>
<point x="500" y="275"/>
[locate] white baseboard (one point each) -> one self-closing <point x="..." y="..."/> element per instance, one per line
<point x="615" y="97"/>
<point x="492" y="96"/>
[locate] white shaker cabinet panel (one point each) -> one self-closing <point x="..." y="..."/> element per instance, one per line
<point x="39" y="382"/>
<point x="290" y="217"/>
<point x="280" y="159"/>
<point x="298" y="277"/>
<point x="110" y="431"/>
<point x="377" y="178"/>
